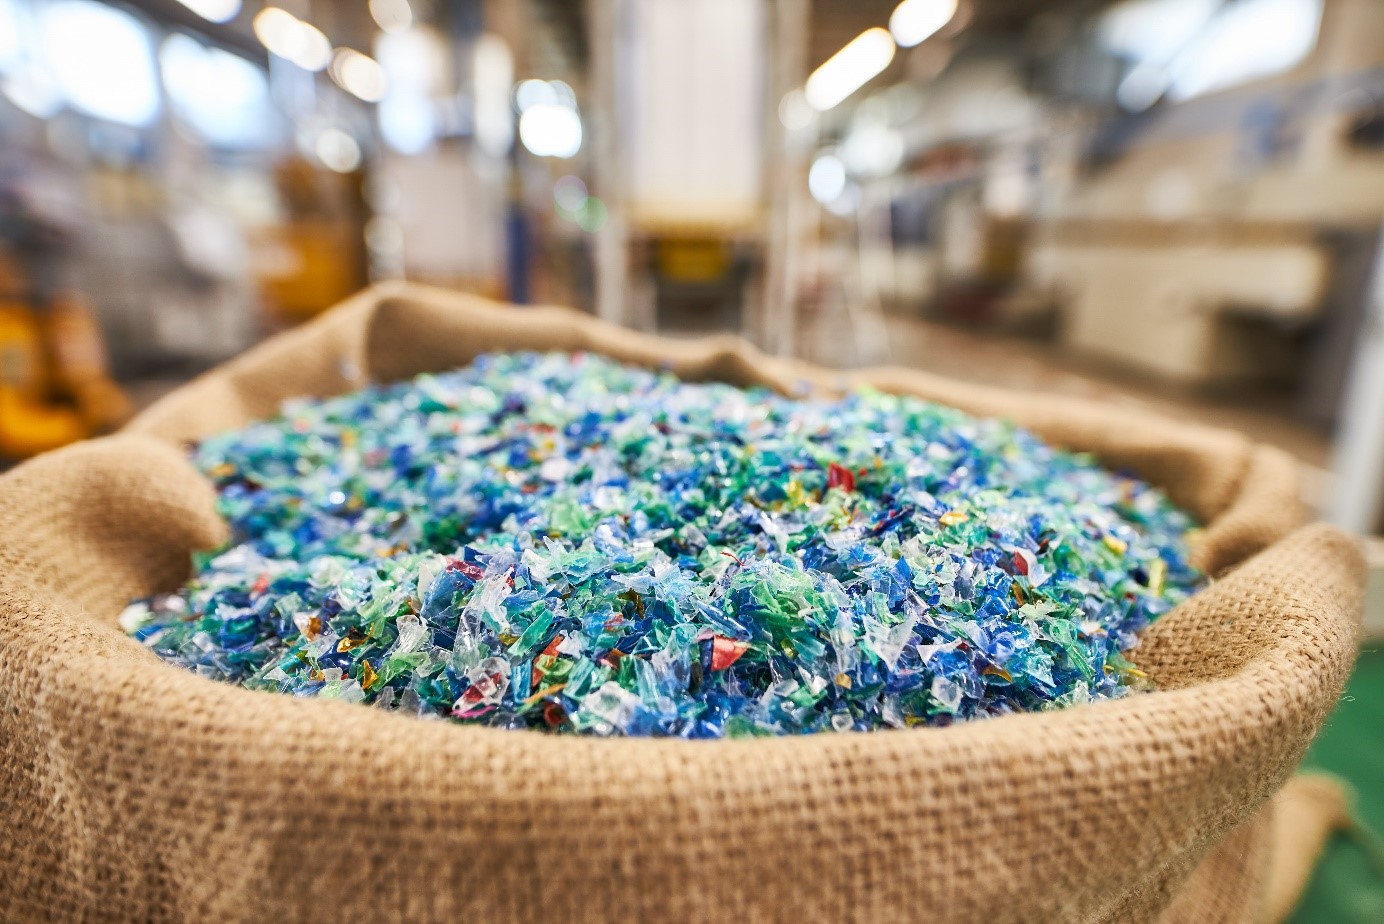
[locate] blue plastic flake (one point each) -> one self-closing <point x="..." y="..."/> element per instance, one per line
<point x="563" y="542"/>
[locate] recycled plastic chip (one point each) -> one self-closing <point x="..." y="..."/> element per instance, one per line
<point x="561" y="542"/>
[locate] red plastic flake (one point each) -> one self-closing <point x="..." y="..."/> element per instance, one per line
<point x="726" y="651"/>
<point x="1021" y="563"/>
<point x="838" y="476"/>
<point x="553" y="714"/>
<point x="474" y="572"/>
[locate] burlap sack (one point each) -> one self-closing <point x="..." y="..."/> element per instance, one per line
<point x="134" y="790"/>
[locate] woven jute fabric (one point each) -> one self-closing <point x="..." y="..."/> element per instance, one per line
<point x="134" y="790"/>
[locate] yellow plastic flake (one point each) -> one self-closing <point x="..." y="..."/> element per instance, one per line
<point x="367" y="675"/>
<point x="352" y="639"/>
<point x="1158" y="573"/>
<point x="1116" y="544"/>
<point x="952" y="517"/>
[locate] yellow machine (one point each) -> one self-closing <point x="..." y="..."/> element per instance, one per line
<point x="78" y="370"/>
<point x="28" y="424"/>
<point x="54" y="385"/>
<point x="315" y="257"/>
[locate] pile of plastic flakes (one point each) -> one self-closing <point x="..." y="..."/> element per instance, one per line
<point x="562" y="542"/>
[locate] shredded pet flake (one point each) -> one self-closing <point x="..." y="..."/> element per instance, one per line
<point x="562" y="542"/>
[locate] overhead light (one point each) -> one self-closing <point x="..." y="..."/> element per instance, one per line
<point x="315" y="51"/>
<point x="292" y="39"/>
<point x="868" y="54"/>
<point x="277" y="30"/>
<point x="391" y="15"/>
<point x="416" y="60"/>
<point x="914" y="21"/>
<point x="213" y="10"/>
<point x="359" y="74"/>
<point x="549" y="121"/>
<point x="550" y="130"/>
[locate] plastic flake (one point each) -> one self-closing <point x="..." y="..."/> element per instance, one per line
<point x="562" y="542"/>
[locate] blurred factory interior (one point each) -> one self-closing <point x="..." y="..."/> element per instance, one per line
<point x="1170" y="203"/>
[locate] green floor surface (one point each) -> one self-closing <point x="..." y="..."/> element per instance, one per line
<point x="1347" y="887"/>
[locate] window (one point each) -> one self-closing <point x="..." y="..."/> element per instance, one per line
<point x="1154" y="30"/>
<point x="222" y="96"/>
<point x="101" y="61"/>
<point x="9" y="35"/>
<point x="1249" y="40"/>
<point x="1186" y="48"/>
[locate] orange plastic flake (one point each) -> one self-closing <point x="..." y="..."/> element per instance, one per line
<point x="994" y="670"/>
<point x="546" y="691"/>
